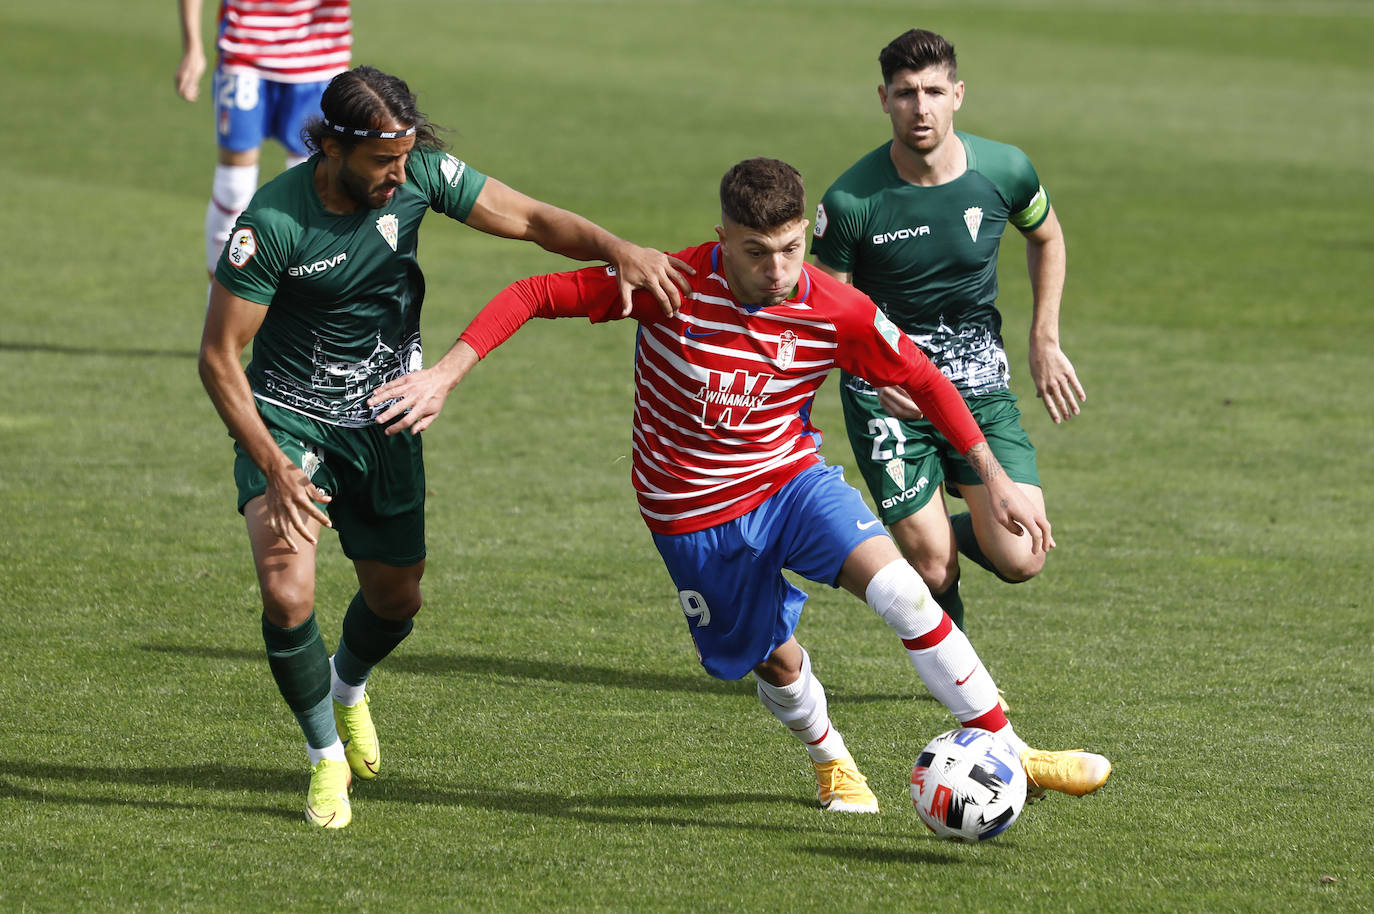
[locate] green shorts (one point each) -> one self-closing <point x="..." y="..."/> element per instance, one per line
<point x="377" y="482"/>
<point x="904" y="462"/>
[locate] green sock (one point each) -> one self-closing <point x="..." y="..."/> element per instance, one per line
<point x="968" y="543"/>
<point x="367" y="639"/>
<point x="952" y="604"/>
<point x="300" y="665"/>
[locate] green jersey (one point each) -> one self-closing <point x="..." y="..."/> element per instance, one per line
<point x="928" y="255"/>
<point x="343" y="292"/>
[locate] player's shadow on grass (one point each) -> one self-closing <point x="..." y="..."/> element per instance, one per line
<point x="62" y="349"/>
<point x="689" y="810"/>
<point x="497" y="667"/>
<point x="95" y="786"/>
<point x="902" y="855"/>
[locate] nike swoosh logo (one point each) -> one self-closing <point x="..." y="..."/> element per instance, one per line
<point x="863" y="526"/>
<point x="696" y="334"/>
<point x="960" y="682"/>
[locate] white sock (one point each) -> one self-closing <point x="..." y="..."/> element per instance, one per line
<point x="802" y="708"/>
<point x="333" y="751"/>
<point x="942" y="655"/>
<point x="345" y="694"/>
<point x="233" y="187"/>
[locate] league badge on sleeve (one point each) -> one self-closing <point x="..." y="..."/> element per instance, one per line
<point x="888" y="329"/>
<point x="822" y="220"/>
<point x="242" y="246"/>
<point x="452" y="169"/>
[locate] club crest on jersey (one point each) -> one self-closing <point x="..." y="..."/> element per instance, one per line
<point x="724" y="395"/>
<point x="896" y="471"/>
<point x="787" y="349"/>
<point x="242" y="247"/>
<point x="453" y="170"/>
<point x="389" y="226"/>
<point x="973" y="218"/>
<point x="822" y="220"/>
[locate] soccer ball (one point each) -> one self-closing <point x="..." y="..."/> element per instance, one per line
<point x="968" y="785"/>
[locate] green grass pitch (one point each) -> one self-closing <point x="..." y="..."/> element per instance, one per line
<point x="550" y="742"/>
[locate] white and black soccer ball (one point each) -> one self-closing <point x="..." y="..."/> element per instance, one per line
<point x="968" y="785"/>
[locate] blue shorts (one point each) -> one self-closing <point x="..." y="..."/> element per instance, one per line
<point x="739" y="607"/>
<point x="248" y="109"/>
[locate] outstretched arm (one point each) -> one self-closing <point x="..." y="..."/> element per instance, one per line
<point x="417" y="398"/>
<point x="500" y="210"/>
<point x="894" y="401"/>
<point x="1055" y="380"/>
<point x="944" y="406"/>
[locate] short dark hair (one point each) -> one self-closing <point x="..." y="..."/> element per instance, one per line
<point x="915" y="50"/>
<point x="762" y="194"/>
<point x="365" y="98"/>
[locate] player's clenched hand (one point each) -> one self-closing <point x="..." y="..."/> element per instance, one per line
<point x="293" y="503"/>
<point x="662" y="276"/>
<point x="1055" y="381"/>
<point x="898" y="403"/>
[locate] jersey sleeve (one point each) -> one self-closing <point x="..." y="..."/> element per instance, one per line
<point x="1011" y="170"/>
<point x="834" y="238"/>
<point x="872" y="348"/>
<point x="449" y="184"/>
<point x="592" y="292"/>
<point x="252" y="263"/>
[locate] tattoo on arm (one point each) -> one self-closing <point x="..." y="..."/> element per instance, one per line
<point x="981" y="458"/>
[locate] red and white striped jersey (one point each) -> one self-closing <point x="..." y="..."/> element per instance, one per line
<point x="723" y="391"/>
<point x="286" y="41"/>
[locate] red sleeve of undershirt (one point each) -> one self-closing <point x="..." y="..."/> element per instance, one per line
<point x="872" y="348"/>
<point x="591" y="292"/>
<point x="941" y="401"/>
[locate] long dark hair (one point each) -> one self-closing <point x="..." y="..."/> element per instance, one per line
<point x="365" y="98"/>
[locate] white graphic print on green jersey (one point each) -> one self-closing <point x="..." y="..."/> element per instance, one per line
<point x="972" y="358"/>
<point x="339" y="388"/>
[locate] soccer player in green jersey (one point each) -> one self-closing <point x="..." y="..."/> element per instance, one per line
<point x="320" y="274"/>
<point x="916" y="224"/>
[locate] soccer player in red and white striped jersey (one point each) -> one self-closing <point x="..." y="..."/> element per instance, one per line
<point x="728" y="474"/>
<point x="275" y="59"/>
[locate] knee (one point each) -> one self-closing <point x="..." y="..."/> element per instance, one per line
<point x="1020" y="568"/>
<point x="902" y="599"/>
<point x="399" y="605"/>
<point x="779" y="671"/>
<point x="939" y="572"/>
<point x="288" y="605"/>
